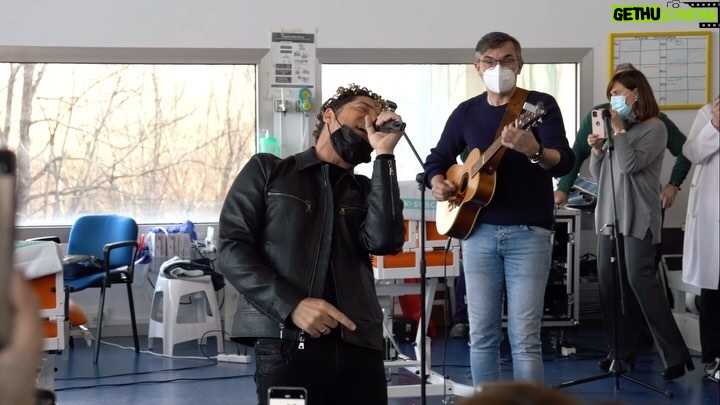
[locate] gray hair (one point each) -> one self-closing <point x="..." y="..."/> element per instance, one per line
<point x="624" y="66"/>
<point x="493" y="40"/>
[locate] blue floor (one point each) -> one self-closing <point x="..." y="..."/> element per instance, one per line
<point x="123" y="377"/>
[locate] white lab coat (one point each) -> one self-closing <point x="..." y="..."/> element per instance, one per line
<point x="701" y="266"/>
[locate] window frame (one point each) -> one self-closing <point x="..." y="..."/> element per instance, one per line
<point x="103" y="55"/>
<point x="259" y="57"/>
<point x="583" y="57"/>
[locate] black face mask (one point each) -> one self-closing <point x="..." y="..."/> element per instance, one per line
<point x="350" y="146"/>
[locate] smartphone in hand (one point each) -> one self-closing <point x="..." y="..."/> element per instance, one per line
<point x="287" y="396"/>
<point x="598" y="125"/>
<point x="7" y="239"/>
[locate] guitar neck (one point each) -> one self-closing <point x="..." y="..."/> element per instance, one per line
<point x="486" y="156"/>
<point x="523" y="123"/>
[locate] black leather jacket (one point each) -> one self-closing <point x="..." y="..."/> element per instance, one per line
<point x="282" y="225"/>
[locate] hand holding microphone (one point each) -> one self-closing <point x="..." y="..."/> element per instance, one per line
<point x="391" y="126"/>
<point x="396" y="127"/>
<point x="386" y="130"/>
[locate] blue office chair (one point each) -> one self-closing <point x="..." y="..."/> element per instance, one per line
<point x="101" y="252"/>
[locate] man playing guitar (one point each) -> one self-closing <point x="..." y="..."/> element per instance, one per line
<point x="508" y="242"/>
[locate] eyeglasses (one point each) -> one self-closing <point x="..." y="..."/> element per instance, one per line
<point x="489" y="63"/>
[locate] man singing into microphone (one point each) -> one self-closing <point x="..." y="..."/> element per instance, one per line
<point x="296" y="235"/>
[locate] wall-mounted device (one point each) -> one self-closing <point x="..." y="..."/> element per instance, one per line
<point x="304" y="102"/>
<point x="280" y="105"/>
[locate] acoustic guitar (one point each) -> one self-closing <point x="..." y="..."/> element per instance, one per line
<point x="474" y="181"/>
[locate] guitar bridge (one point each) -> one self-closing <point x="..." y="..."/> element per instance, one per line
<point x="456" y="201"/>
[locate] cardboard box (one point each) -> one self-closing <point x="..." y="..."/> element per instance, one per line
<point x="157" y="244"/>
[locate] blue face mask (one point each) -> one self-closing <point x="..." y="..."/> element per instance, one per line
<point x="618" y="104"/>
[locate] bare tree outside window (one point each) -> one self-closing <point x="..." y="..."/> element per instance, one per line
<point x="161" y="143"/>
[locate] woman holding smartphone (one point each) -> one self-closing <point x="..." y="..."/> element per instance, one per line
<point x="627" y="168"/>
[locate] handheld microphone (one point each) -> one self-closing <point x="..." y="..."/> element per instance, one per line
<point x="391" y="126"/>
<point x="608" y="129"/>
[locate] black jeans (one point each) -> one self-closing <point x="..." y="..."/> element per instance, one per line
<point x="710" y="324"/>
<point x="640" y="283"/>
<point x="332" y="372"/>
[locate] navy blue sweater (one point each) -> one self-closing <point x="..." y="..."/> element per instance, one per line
<point x="524" y="191"/>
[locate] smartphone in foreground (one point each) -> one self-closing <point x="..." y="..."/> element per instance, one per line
<point x="7" y="238"/>
<point x="598" y="125"/>
<point x="287" y="396"/>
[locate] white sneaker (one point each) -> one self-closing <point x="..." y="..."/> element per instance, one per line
<point x="712" y="371"/>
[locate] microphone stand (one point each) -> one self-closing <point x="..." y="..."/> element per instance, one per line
<point x="420" y="179"/>
<point x="617" y="260"/>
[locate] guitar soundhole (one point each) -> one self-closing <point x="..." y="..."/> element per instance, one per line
<point x="464" y="183"/>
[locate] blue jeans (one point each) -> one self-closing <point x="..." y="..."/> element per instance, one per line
<point x="515" y="258"/>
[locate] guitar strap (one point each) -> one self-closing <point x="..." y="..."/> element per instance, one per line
<point x="512" y="112"/>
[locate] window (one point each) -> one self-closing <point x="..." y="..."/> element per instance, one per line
<point x="427" y="94"/>
<point x="161" y="143"/>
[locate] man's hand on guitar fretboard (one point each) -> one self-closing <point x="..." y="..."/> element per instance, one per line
<point x="516" y="137"/>
<point x="519" y="140"/>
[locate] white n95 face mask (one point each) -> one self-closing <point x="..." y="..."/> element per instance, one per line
<point x="499" y="80"/>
